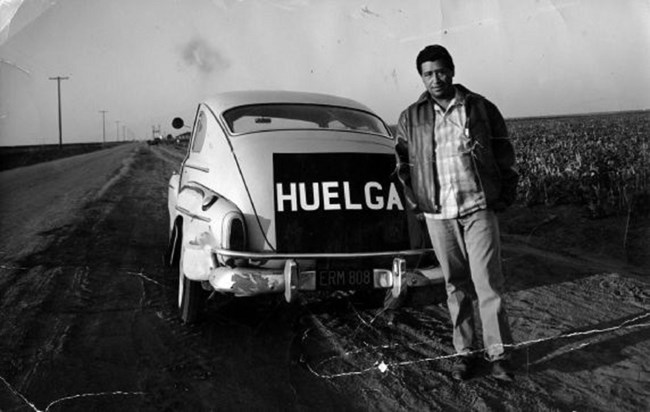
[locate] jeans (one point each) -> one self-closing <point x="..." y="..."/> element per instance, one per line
<point x="469" y="252"/>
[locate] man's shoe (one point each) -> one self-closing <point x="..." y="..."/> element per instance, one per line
<point x="463" y="368"/>
<point x="501" y="370"/>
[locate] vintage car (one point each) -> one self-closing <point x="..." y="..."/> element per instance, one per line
<point x="289" y="192"/>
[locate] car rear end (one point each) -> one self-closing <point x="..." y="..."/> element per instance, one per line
<point x="325" y="211"/>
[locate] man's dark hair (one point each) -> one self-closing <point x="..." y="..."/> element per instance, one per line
<point x="433" y="53"/>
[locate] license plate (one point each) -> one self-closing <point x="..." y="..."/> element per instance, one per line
<point x="345" y="279"/>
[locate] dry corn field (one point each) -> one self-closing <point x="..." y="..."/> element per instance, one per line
<point x="601" y="161"/>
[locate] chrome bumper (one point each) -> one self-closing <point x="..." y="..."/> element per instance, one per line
<point x="250" y="281"/>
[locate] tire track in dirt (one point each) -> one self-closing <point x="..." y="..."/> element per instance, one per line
<point x="173" y="156"/>
<point x="71" y="306"/>
<point x="40" y="201"/>
<point x="397" y="360"/>
<point x="108" y="328"/>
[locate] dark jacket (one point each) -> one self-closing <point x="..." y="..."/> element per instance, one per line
<point x="492" y="153"/>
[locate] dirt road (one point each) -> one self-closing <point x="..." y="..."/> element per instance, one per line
<point x="88" y="317"/>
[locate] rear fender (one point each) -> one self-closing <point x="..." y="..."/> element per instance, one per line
<point x="172" y="199"/>
<point x="209" y="222"/>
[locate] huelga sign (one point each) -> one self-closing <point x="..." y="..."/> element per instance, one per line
<point x="335" y="196"/>
<point x="337" y="203"/>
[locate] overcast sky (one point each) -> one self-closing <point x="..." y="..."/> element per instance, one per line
<point x="146" y="61"/>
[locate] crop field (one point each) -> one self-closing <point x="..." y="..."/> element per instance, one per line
<point x="601" y="161"/>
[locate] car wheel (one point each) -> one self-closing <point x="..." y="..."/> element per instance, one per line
<point x="172" y="254"/>
<point x="191" y="297"/>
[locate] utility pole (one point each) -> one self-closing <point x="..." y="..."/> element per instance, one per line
<point x="58" y="85"/>
<point x="103" y="112"/>
<point x="124" y="133"/>
<point x="117" y="130"/>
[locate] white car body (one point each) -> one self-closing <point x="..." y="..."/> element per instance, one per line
<point x="226" y="203"/>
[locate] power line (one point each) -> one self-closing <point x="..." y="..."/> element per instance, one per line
<point x="58" y="84"/>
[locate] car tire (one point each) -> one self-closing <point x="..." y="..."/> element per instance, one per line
<point x="191" y="295"/>
<point x="172" y="254"/>
<point x="191" y="299"/>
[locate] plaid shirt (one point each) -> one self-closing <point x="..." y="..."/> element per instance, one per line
<point x="459" y="192"/>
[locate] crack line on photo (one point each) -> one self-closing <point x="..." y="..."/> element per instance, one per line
<point x="145" y="277"/>
<point x="88" y="395"/>
<point x="66" y="398"/>
<point x="384" y="367"/>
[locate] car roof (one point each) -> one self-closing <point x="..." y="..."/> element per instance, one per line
<point x="221" y="102"/>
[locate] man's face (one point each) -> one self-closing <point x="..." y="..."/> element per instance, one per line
<point x="438" y="79"/>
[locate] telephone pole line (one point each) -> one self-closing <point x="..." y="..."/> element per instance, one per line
<point x="103" y="112"/>
<point x="117" y="130"/>
<point x="58" y="85"/>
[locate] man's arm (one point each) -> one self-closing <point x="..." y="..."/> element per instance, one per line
<point x="403" y="167"/>
<point x="504" y="154"/>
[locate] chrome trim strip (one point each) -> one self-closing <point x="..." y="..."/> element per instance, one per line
<point x="273" y="256"/>
<point x="192" y="183"/>
<point x="192" y="215"/>
<point x="199" y="168"/>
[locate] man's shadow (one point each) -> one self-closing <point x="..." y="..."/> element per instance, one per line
<point x="585" y="348"/>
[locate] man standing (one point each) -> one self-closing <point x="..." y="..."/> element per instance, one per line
<point x="455" y="162"/>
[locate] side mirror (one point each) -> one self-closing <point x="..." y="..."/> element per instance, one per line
<point x="178" y="123"/>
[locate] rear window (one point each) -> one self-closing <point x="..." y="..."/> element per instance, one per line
<point x="264" y="117"/>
